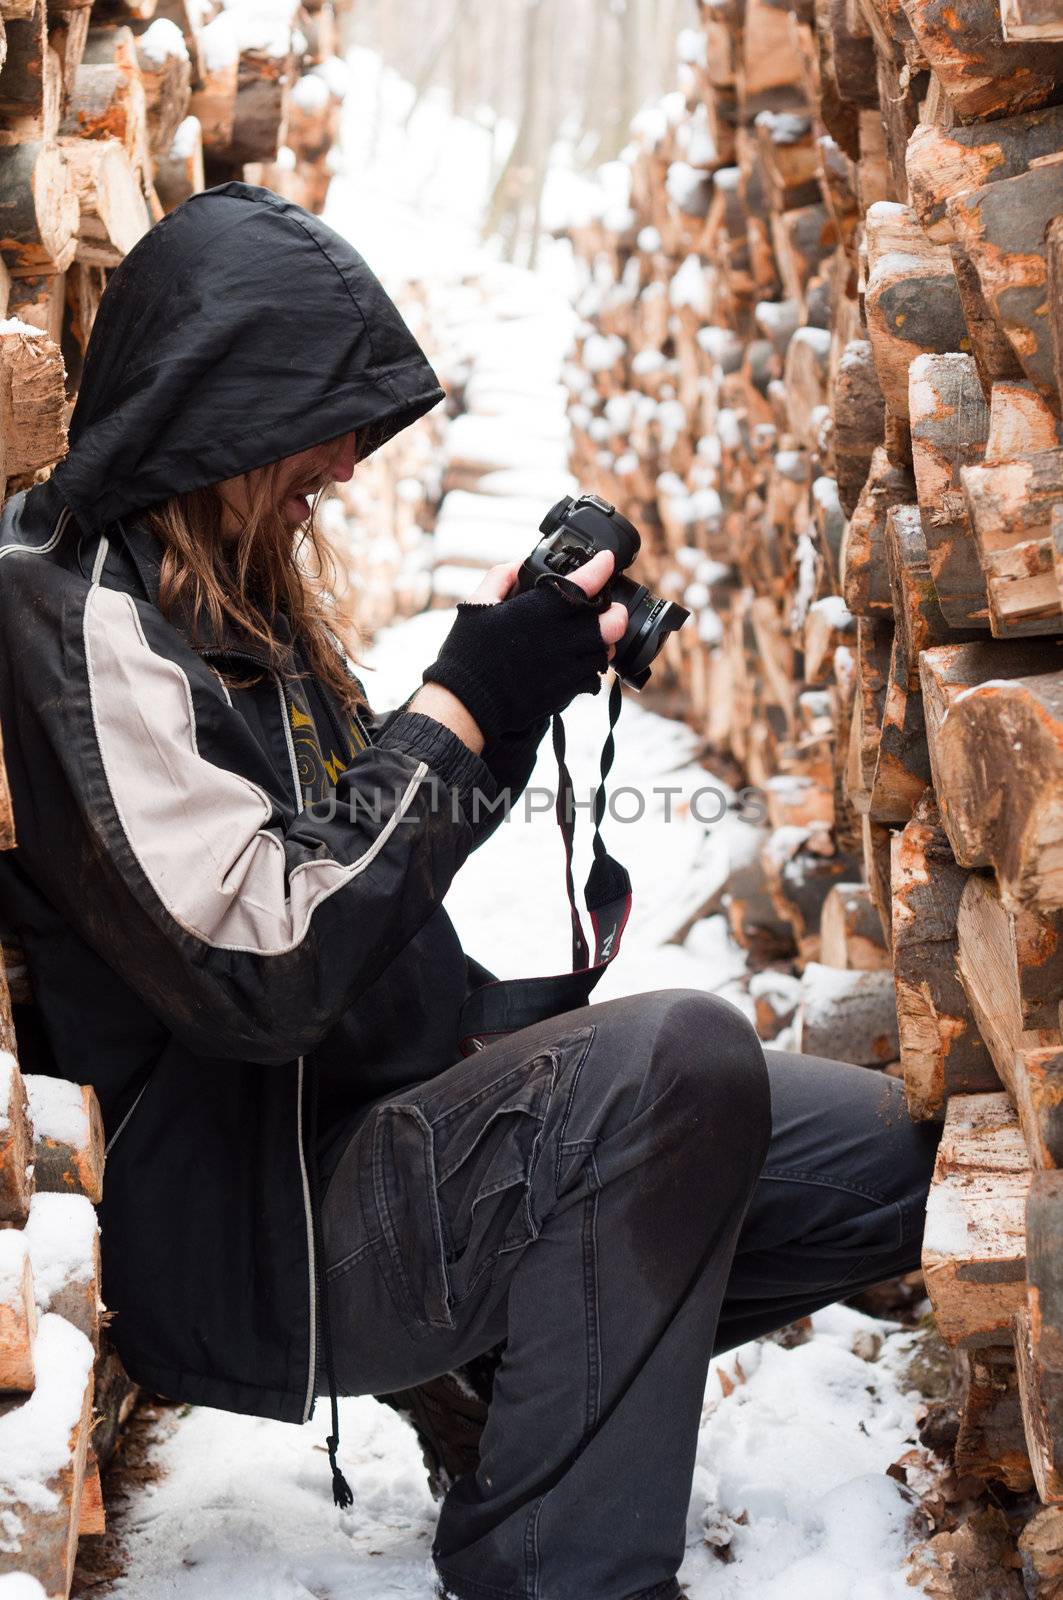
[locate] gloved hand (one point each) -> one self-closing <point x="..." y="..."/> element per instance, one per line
<point x="513" y="661"/>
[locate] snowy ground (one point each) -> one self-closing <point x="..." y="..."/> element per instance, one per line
<point x="790" y="1500"/>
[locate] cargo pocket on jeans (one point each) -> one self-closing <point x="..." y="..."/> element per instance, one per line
<point x="401" y="1178"/>
<point x="450" y="1188"/>
<point x="486" y="1153"/>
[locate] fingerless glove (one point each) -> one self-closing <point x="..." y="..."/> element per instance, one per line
<point x="518" y="659"/>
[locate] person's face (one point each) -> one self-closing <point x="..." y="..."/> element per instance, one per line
<point x="299" y="478"/>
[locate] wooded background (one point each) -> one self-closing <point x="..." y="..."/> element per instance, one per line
<point x="537" y="71"/>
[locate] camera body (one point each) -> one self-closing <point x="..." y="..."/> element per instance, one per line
<point x="575" y="530"/>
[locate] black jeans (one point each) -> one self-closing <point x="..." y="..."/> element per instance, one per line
<point x="618" y="1193"/>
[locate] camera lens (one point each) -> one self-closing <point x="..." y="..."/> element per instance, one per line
<point x="650" y="621"/>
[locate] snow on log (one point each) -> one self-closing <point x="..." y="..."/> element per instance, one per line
<point x="974" y="1246"/>
<point x="62" y="1235"/>
<point x="43" y="1445"/>
<point x="68" y="1142"/>
<point x="847" y="1016"/>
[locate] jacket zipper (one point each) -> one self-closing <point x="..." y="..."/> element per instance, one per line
<point x="308" y="1212"/>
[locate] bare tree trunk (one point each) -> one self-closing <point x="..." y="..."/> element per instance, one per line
<point x="446" y="39"/>
<point x="549" y="107"/>
<point x="504" y="207"/>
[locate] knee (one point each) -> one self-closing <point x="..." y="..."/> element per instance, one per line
<point x="709" y="1060"/>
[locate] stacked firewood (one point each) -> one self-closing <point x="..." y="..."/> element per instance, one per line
<point x="113" y="113"/>
<point x="51" y="1172"/>
<point x="819" y="363"/>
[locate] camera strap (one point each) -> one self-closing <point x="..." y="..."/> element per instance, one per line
<point x="507" y="1004"/>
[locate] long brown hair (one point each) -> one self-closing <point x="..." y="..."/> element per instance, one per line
<point x="211" y="577"/>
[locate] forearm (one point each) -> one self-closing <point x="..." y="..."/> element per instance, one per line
<point x="432" y="700"/>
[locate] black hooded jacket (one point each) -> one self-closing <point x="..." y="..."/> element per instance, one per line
<point x="228" y="898"/>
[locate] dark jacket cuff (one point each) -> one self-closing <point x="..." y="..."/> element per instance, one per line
<point x="447" y="755"/>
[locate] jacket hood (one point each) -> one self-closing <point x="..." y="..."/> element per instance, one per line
<point x="240" y="329"/>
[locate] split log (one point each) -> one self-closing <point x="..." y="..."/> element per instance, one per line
<point x="1041" y="1396"/>
<point x="911" y="301"/>
<point x="865" y="570"/>
<point x="902" y="763"/>
<point x="858" y="410"/>
<point x="166" y="74"/>
<point x="106" y="101"/>
<point x="179" y="173"/>
<point x="829" y="522"/>
<point x="1030" y="19"/>
<point x="68" y="32"/>
<point x="16" y="1144"/>
<point x="805" y="379"/>
<point x="68" y="1147"/>
<point x="974" y="1246"/>
<point x="213" y="101"/>
<point x="875" y="841"/>
<point x="944" y="161"/>
<point x="942" y="1051"/>
<point x="260" y="113"/>
<point x="991" y="1443"/>
<point x="24" y="81"/>
<point x="113" y="211"/>
<point x="34" y="400"/>
<point x="18" y="1313"/>
<point x="993" y="710"/>
<point x="847" y="1016"/>
<point x="1054" y="259"/>
<point x="802" y="240"/>
<point x="38" y="303"/>
<point x="84" y="289"/>
<point x="775" y="996"/>
<point x="828" y="625"/>
<point x="1001" y="228"/>
<point x="994" y="355"/>
<point x="115" y="1395"/>
<point x="63" y="1238"/>
<point x="850" y="931"/>
<point x="802" y="865"/>
<point x="187" y="17"/>
<point x="981" y="73"/>
<point x="874" y="651"/>
<point x="49" y="1429"/>
<point x="1045" y="1269"/>
<point x="92" y="1518"/>
<point x="1011" y="963"/>
<point x="1008" y="963"/>
<point x="1020" y="423"/>
<point x="1041" y="1549"/>
<point x="770" y="67"/>
<point x="1010" y="505"/>
<point x="38" y="209"/>
<point x="950" y="424"/>
<point x="916" y="611"/>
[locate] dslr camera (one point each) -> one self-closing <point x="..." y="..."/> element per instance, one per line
<point x="575" y="530"/>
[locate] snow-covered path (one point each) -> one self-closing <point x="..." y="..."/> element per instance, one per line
<point x="789" y="1501"/>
